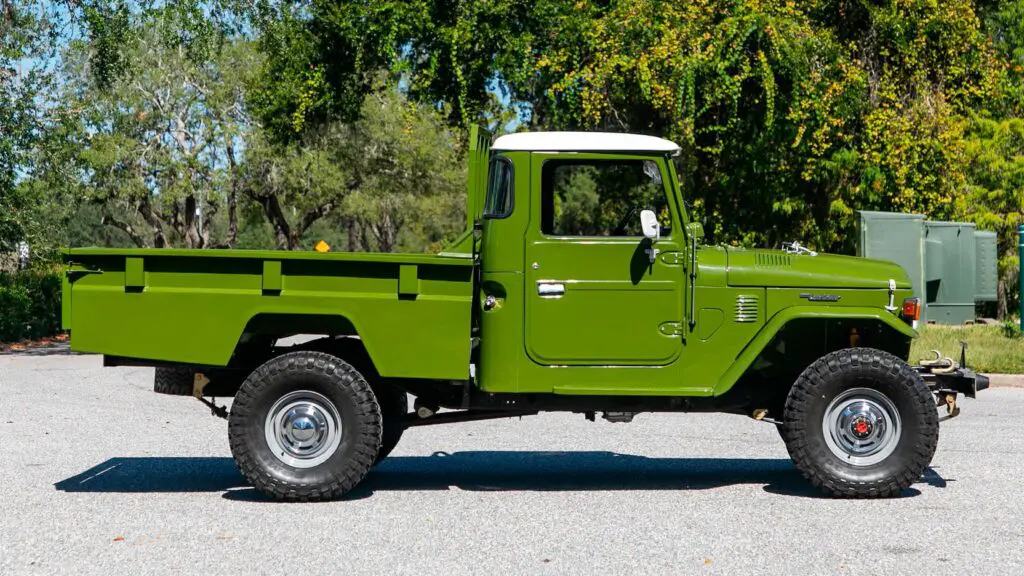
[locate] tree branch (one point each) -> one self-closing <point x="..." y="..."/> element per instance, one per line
<point x="308" y="219"/>
<point x="108" y="220"/>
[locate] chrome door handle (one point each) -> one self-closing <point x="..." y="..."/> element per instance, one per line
<point x="550" y="289"/>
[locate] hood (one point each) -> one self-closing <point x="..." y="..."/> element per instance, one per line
<point x="775" y="268"/>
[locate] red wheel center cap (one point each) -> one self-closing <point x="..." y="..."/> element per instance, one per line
<point x="861" y="427"/>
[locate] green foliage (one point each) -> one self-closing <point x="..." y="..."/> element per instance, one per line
<point x="803" y="112"/>
<point x="324" y="57"/>
<point x="781" y="111"/>
<point x="994" y="196"/>
<point x="291" y="121"/>
<point x="25" y="34"/>
<point x="792" y="116"/>
<point x="1004" y="23"/>
<point x="392" y="179"/>
<point x="1011" y="329"/>
<point x="409" y="173"/>
<point x="29" y="304"/>
<point x="158" y="147"/>
<point x="110" y="35"/>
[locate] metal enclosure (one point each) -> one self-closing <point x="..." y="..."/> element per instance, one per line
<point x="950" y="291"/>
<point x="951" y="264"/>
<point x="986" y="248"/>
<point x="897" y="238"/>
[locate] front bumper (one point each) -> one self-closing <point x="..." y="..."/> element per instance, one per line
<point x="960" y="381"/>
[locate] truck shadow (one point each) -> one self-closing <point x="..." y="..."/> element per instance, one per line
<point x="472" y="471"/>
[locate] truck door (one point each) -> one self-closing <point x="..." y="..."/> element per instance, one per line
<point x="594" y="294"/>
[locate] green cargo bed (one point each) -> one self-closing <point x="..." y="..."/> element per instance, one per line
<point x="412" y="311"/>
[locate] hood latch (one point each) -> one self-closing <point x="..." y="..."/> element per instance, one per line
<point x="892" y="296"/>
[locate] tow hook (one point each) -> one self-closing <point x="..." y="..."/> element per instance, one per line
<point x="949" y="400"/>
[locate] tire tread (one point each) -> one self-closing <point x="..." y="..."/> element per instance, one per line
<point x="366" y="446"/>
<point x="808" y="458"/>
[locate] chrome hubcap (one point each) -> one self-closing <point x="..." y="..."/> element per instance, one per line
<point x="303" y="429"/>
<point x="861" y="426"/>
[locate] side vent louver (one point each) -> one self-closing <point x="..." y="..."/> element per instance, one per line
<point x="746" y="308"/>
<point x="770" y="260"/>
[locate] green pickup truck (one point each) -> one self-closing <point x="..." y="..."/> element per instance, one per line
<point x="579" y="285"/>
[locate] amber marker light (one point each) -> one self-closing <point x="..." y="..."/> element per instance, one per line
<point x="912" y="309"/>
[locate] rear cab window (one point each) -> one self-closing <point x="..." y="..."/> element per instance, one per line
<point x="500" y="198"/>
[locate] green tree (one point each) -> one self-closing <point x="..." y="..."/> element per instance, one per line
<point x="804" y="112"/>
<point x="325" y="56"/>
<point x="159" y="146"/>
<point x="995" y="194"/>
<point x="26" y="34"/>
<point x="392" y="179"/>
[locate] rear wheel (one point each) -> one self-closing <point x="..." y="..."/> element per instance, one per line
<point x="174" y="381"/>
<point x="860" y="423"/>
<point x="305" y="426"/>
<point x="394" y="405"/>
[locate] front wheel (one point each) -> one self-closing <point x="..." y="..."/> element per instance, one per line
<point x="305" y="426"/>
<point x="860" y="423"/>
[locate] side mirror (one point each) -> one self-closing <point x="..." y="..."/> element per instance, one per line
<point x="649" y="224"/>
<point x="695" y="230"/>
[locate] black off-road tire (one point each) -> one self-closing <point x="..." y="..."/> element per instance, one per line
<point x="823" y="381"/>
<point x="331" y="378"/>
<point x="174" y="381"/>
<point x="394" y="405"/>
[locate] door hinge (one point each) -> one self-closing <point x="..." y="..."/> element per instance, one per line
<point x="671" y="328"/>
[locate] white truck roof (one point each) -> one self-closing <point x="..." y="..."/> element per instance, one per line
<point x="583" y="142"/>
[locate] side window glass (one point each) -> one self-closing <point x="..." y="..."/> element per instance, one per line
<point x="499" y="189"/>
<point x="601" y="197"/>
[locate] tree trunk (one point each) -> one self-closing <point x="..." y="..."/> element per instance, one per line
<point x="386" y="232"/>
<point x="193" y="239"/>
<point x="364" y="232"/>
<point x="232" y="196"/>
<point x="272" y="210"/>
<point x="353" y="234"/>
<point x="1002" y="310"/>
<point x="159" y="237"/>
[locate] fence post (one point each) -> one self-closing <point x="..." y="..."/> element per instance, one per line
<point x="1020" y="280"/>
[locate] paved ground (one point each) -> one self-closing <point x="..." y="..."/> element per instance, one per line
<point x="98" y="475"/>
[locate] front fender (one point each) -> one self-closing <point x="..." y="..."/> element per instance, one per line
<point x="747" y="356"/>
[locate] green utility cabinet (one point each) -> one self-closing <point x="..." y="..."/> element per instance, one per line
<point x="987" y="249"/>
<point x="950" y="272"/>
<point x="897" y="238"/>
<point x="951" y="264"/>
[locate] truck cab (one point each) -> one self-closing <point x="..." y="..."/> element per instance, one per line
<point x="578" y="297"/>
<point x="569" y="281"/>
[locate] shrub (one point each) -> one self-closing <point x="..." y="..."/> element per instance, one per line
<point x="29" y="304"/>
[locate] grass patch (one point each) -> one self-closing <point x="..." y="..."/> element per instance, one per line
<point x="991" y="349"/>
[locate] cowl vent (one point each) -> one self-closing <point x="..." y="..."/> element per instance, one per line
<point x="772" y="260"/>
<point x="746" y="308"/>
